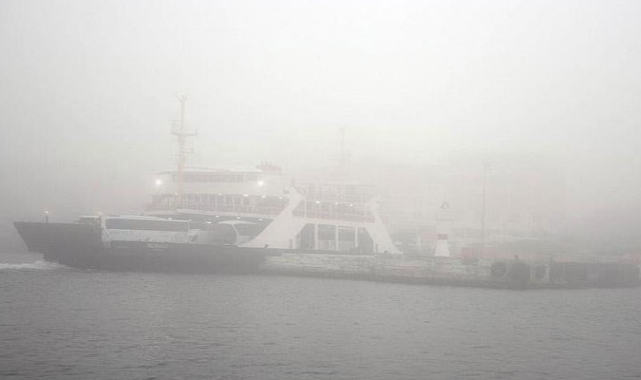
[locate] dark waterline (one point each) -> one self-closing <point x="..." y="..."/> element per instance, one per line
<point x="61" y="323"/>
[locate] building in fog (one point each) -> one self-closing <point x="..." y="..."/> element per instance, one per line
<point x="519" y="200"/>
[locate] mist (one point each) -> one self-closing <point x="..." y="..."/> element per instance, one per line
<point x="372" y="190"/>
<point x="88" y="95"/>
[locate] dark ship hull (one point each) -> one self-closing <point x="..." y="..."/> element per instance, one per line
<point x="81" y="246"/>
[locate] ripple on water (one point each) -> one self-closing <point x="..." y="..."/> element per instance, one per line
<point x="69" y="324"/>
<point x="38" y="265"/>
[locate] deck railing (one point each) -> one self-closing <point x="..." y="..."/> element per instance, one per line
<point x="227" y="208"/>
<point x="350" y="217"/>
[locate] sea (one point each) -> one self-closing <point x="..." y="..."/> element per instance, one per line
<point x="62" y="323"/>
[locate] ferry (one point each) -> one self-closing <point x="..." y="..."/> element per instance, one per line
<point x="260" y="220"/>
<point x="221" y="221"/>
<point x="217" y="220"/>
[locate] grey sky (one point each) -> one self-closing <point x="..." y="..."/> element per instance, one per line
<point x="87" y="88"/>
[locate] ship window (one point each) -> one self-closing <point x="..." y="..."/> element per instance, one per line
<point x="365" y="241"/>
<point x="326" y="232"/>
<point x="346" y="233"/>
<point x="146" y="225"/>
<point x="250" y="177"/>
<point x="305" y="238"/>
<point x="89" y="220"/>
<point x="249" y="229"/>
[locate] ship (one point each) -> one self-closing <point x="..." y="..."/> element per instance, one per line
<point x="222" y="220"/>
<point x="261" y="220"/>
<point x="218" y="220"/>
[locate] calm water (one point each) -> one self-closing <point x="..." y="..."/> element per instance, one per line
<point x="61" y="323"/>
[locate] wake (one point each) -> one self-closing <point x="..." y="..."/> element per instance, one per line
<point x="38" y="265"/>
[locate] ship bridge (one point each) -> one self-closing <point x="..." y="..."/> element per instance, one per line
<point x="229" y="192"/>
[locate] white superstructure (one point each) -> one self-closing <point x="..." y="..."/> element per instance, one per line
<point x="142" y="229"/>
<point x="263" y="208"/>
<point x="275" y="211"/>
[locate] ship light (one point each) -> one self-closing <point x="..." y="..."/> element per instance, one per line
<point x="158" y="182"/>
<point x="261" y="183"/>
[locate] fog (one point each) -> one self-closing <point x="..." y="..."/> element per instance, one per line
<point x="88" y="93"/>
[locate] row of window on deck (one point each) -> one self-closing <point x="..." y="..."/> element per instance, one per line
<point x="216" y="177"/>
<point x="353" y="193"/>
<point x="262" y="205"/>
<point x="221" y="202"/>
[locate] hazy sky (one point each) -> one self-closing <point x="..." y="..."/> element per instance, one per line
<point x="87" y="88"/>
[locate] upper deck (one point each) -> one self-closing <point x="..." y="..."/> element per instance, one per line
<point x="258" y="194"/>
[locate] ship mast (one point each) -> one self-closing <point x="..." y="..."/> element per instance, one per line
<point x="181" y="136"/>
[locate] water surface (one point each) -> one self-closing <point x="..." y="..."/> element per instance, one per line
<point x="63" y="323"/>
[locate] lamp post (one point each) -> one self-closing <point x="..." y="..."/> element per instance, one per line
<point x="485" y="167"/>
